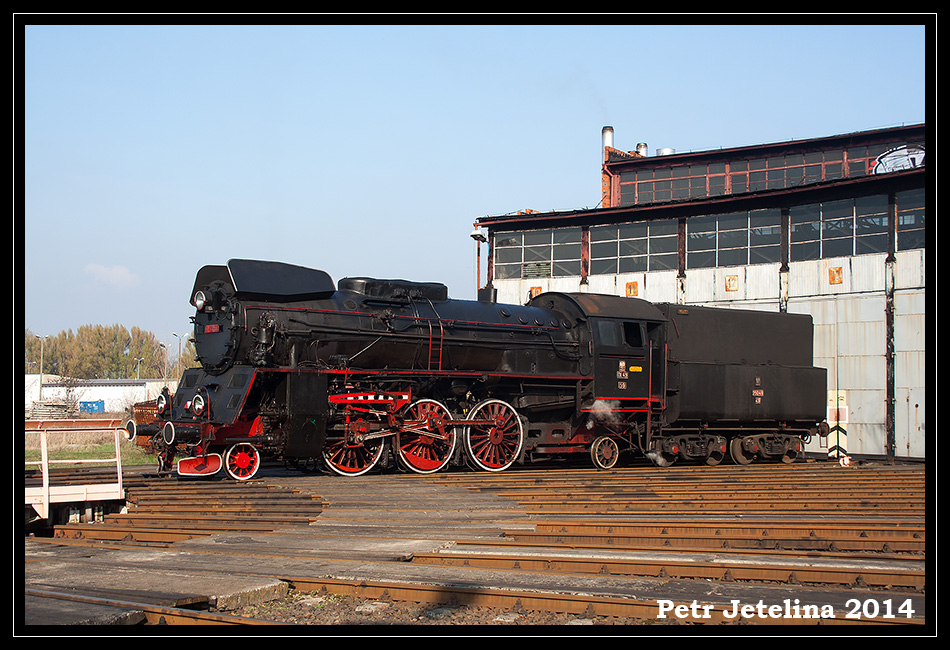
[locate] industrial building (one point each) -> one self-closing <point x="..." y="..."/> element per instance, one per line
<point x="831" y="226"/>
<point x="51" y="396"/>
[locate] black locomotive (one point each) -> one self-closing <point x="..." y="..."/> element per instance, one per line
<point x="356" y="375"/>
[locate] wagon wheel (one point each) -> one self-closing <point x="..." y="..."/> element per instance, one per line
<point x="661" y="458"/>
<point x="427" y="447"/>
<point x="242" y="460"/>
<point x="714" y="458"/>
<point x="495" y="442"/>
<point x="604" y="452"/>
<point x="739" y="455"/>
<point x="350" y="454"/>
<point x="790" y="455"/>
<point x="716" y="453"/>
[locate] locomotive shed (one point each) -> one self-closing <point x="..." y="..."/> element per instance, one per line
<point x="591" y="542"/>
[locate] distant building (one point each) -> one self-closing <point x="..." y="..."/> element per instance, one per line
<point x="92" y="395"/>
<point x="831" y="226"/>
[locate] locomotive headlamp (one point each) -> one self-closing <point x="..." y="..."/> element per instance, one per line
<point x="200" y="300"/>
<point x="161" y="403"/>
<point x="198" y="405"/>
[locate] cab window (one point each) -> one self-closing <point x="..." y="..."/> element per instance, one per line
<point x="632" y="334"/>
<point x="613" y="333"/>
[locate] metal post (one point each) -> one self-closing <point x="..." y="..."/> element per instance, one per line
<point x="44" y="458"/>
<point x="889" y="349"/>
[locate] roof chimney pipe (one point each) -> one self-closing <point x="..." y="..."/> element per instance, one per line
<point x="607" y="136"/>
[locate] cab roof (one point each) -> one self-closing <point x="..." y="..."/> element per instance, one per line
<point x="600" y="305"/>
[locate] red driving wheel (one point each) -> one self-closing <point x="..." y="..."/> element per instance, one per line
<point x="426" y="441"/>
<point x="494" y="442"/>
<point x="242" y="460"/>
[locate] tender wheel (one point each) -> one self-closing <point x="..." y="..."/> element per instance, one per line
<point x="661" y="458"/>
<point x="604" y="452"/>
<point x="242" y="460"/>
<point x="352" y="453"/>
<point x="739" y="455"/>
<point x="717" y="451"/>
<point x="714" y="458"/>
<point x="426" y="442"/>
<point x="494" y="443"/>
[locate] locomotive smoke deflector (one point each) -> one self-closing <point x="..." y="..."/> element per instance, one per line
<point x="277" y="281"/>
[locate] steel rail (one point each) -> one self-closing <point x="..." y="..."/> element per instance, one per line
<point x="552" y="601"/>
<point x="776" y="503"/>
<point x="724" y="569"/>
<point x="156" y="614"/>
<point x="704" y="537"/>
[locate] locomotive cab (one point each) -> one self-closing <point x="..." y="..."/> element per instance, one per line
<point x="628" y="362"/>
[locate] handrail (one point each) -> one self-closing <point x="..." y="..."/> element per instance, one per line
<point x="87" y="424"/>
<point x="41" y="498"/>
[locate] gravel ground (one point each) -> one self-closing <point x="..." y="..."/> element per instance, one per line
<point x="315" y="609"/>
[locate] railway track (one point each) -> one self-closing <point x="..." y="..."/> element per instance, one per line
<point x="161" y="513"/>
<point x="725" y="490"/>
<point x="761" y="524"/>
<point x="812" y="524"/>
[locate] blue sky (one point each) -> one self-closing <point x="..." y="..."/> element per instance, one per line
<point x="150" y="151"/>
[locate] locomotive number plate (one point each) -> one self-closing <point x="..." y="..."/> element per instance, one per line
<point x="211" y="329"/>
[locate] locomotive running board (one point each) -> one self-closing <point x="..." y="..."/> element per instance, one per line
<point x="200" y="465"/>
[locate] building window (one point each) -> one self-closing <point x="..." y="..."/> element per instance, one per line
<point x="910" y="220"/>
<point x="508" y="255"/>
<point x="804" y="222"/>
<point x="870" y="224"/>
<point x="821" y="230"/>
<point x="538" y="254"/>
<point x="765" y="236"/>
<point x="839" y="228"/>
<point x="634" y="247"/>
<point x="861" y="159"/>
<point x="734" y="239"/>
<point x="663" y="245"/>
<point x="701" y="241"/>
<point x="619" y="248"/>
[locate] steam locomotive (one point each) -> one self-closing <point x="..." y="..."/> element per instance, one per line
<point x="373" y="372"/>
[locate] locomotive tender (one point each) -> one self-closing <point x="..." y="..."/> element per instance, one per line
<point x="351" y="376"/>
